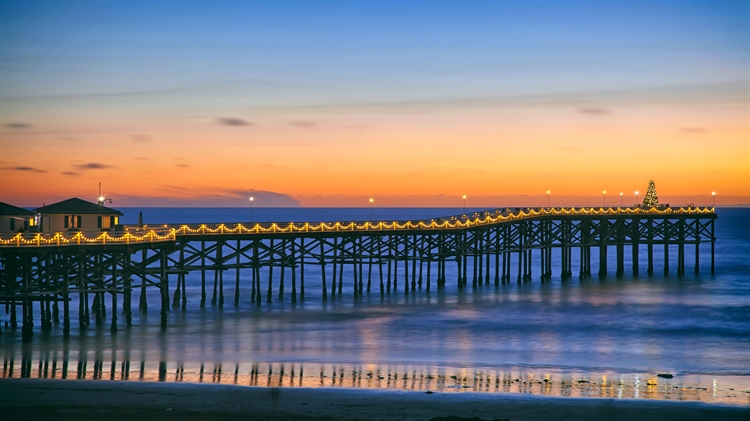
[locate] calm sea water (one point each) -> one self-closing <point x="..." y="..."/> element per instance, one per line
<point x="597" y="337"/>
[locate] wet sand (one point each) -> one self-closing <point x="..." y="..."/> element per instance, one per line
<point x="24" y="399"/>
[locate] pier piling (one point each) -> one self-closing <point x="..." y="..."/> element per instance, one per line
<point x="92" y="273"/>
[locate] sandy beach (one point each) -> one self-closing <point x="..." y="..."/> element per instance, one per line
<point x="113" y="400"/>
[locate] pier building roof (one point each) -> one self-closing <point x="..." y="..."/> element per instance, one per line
<point x="77" y="206"/>
<point x="10" y="210"/>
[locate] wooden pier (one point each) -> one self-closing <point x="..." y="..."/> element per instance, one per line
<point x="41" y="273"/>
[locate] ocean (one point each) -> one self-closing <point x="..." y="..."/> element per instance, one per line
<point x="646" y="337"/>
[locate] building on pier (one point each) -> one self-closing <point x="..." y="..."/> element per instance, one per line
<point x="14" y="219"/>
<point x="77" y="215"/>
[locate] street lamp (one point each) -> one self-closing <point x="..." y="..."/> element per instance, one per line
<point x="464" y="197"/>
<point x="251" y="208"/>
<point x="101" y="196"/>
<point x="636" y="198"/>
<point x="548" y="198"/>
<point x="713" y="199"/>
<point x="620" y="199"/>
<point x="604" y="198"/>
<point x="372" y="200"/>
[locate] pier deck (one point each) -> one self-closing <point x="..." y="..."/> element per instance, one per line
<point x="54" y="270"/>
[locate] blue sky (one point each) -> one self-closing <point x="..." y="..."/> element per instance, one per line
<point x="367" y="51"/>
<point x="97" y="71"/>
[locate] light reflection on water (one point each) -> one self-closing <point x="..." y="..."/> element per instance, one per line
<point x="475" y="340"/>
<point x="376" y="376"/>
<point x="593" y="337"/>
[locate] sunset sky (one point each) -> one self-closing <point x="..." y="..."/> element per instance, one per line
<point x="414" y="103"/>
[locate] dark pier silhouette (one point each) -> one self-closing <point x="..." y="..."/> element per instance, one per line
<point x="42" y="273"/>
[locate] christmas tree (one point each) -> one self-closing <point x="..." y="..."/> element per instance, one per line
<point x="651" y="199"/>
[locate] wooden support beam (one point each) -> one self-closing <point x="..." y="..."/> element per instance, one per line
<point x="50" y="275"/>
<point x="164" y="289"/>
<point x="237" y="275"/>
<point x="203" y="274"/>
<point x="113" y="324"/>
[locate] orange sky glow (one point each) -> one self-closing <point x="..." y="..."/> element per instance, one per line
<point x="408" y="138"/>
<point x="428" y="160"/>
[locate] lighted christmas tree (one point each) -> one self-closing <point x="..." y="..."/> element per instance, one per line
<point x="651" y="199"/>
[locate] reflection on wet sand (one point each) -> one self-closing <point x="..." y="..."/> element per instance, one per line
<point x="407" y="378"/>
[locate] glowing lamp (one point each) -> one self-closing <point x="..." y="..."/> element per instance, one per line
<point x="251" y="208"/>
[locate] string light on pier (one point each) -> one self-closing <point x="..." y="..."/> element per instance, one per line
<point x="169" y="233"/>
<point x="290" y="245"/>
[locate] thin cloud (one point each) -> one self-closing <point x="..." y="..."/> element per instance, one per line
<point x="141" y="158"/>
<point x="230" y="121"/>
<point x="91" y="166"/>
<point x="654" y="94"/>
<point x="182" y="165"/>
<point x="355" y="126"/>
<point x="141" y="138"/>
<point x="71" y="173"/>
<point x="303" y="124"/>
<point x="593" y="111"/>
<point x="18" y="126"/>
<point x="22" y="168"/>
<point x="693" y="130"/>
<point x="211" y="196"/>
<point x="177" y="188"/>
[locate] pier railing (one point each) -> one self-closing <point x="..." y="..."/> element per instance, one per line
<point x="475" y="248"/>
<point x="166" y="232"/>
<point x="82" y="238"/>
